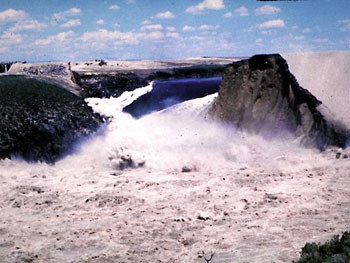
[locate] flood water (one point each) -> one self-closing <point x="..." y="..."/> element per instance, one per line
<point x="167" y="93"/>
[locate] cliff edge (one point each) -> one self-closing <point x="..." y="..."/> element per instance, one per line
<point x="262" y="96"/>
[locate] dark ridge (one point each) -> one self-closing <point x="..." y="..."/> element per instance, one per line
<point x="107" y="85"/>
<point x="167" y="93"/>
<point x="41" y="121"/>
<point x="196" y="71"/>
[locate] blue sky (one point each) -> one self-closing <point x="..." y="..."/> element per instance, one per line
<point x="67" y="30"/>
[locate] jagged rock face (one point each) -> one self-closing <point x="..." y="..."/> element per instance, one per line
<point x="261" y="95"/>
<point x="107" y="85"/>
<point x="40" y="121"/>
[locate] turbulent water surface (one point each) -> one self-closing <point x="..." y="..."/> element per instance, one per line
<point x="172" y="186"/>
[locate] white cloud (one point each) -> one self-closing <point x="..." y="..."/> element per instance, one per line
<point x="208" y="27"/>
<point x="197" y="38"/>
<point x="114" y="7"/>
<point x="146" y="22"/>
<point x="116" y="25"/>
<point x="206" y="4"/>
<point x="306" y="30"/>
<point x="241" y="11"/>
<point x="11" y="15"/>
<point x="278" y="23"/>
<point x="10" y="38"/>
<point x="188" y="28"/>
<point x="345" y="24"/>
<point x="57" y="39"/>
<point x="299" y="37"/>
<point x="259" y="41"/>
<point x="71" y="23"/>
<point x="171" y="29"/>
<point x="30" y="24"/>
<point x="66" y="14"/>
<point x="173" y="34"/>
<point x="200" y="28"/>
<point x="152" y="27"/>
<point x="228" y="15"/>
<point x="100" y="22"/>
<point x="154" y="35"/>
<point x="165" y="15"/>
<point x="267" y="10"/>
<point x="104" y="35"/>
<point x="321" y="40"/>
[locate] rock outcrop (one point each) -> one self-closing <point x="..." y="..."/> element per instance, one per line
<point x="41" y="121"/>
<point x="262" y="96"/>
<point x="107" y="85"/>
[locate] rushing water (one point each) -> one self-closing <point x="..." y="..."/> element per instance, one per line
<point x="167" y="93"/>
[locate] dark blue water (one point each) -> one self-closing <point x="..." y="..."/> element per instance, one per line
<point x="168" y="93"/>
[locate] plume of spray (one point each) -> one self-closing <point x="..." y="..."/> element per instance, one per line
<point x="183" y="138"/>
<point x="180" y="138"/>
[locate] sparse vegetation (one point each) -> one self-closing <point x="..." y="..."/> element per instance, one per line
<point x="334" y="251"/>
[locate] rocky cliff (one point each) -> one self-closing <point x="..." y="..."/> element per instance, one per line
<point x="41" y="121"/>
<point x="262" y="96"/>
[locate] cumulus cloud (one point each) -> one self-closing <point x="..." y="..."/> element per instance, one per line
<point x="299" y="37"/>
<point x="208" y="27"/>
<point x="345" y="24"/>
<point x="228" y="15"/>
<point x="206" y="4"/>
<point x="10" y="38"/>
<point x="267" y="10"/>
<point x="320" y="40"/>
<point x="241" y="11"/>
<point x="100" y="21"/>
<point x="154" y="35"/>
<point x="104" y="37"/>
<point x="165" y="15"/>
<point x="66" y="14"/>
<point x="58" y="39"/>
<point x="188" y="28"/>
<point x="11" y="15"/>
<point x="146" y="22"/>
<point x="29" y="24"/>
<point x="114" y="7"/>
<point x="307" y="30"/>
<point x="152" y="27"/>
<point x="173" y="34"/>
<point x="203" y="27"/>
<point x="71" y="23"/>
<point x="197" y="38"/>
<point x="278" y="23"/>
<point x="171" y="29"/>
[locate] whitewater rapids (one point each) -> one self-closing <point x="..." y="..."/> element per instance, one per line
<point x="172" y="186"/>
